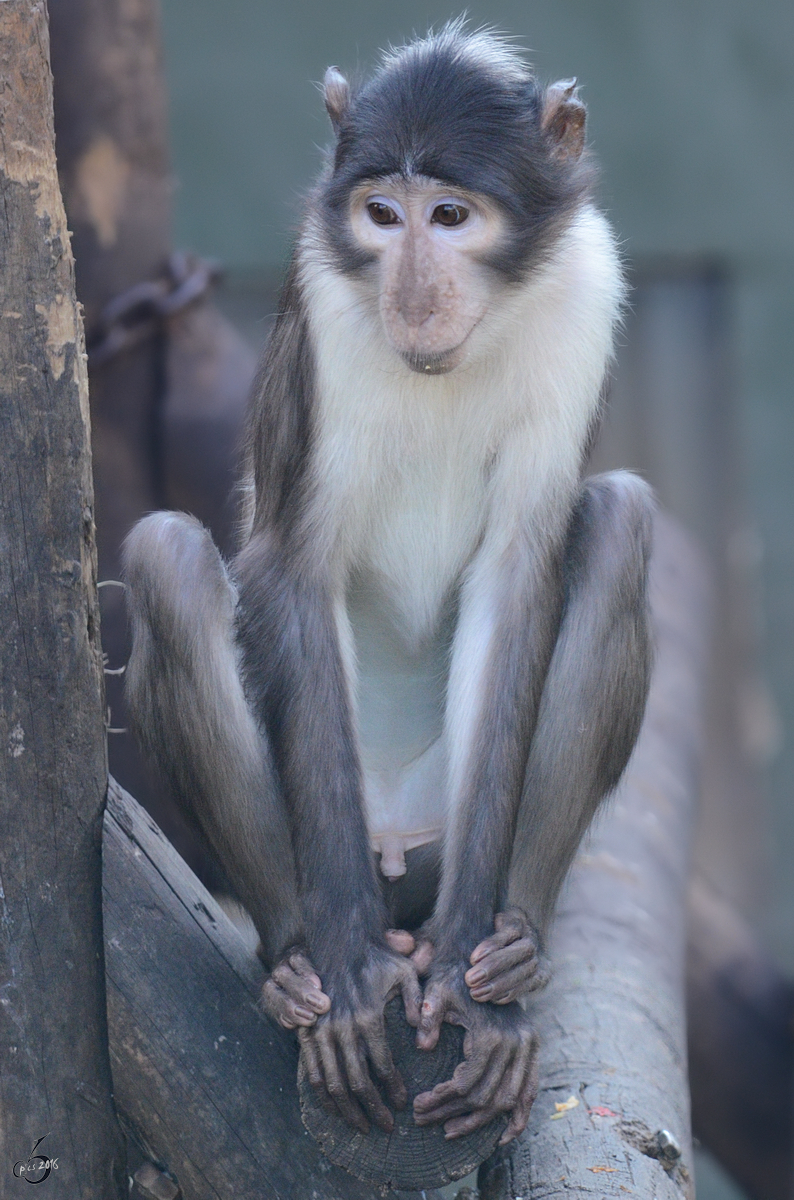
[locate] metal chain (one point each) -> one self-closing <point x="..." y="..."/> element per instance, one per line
<point x="138" y="312"/>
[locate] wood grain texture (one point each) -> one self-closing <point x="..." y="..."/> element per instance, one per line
<point x="204" y="1080"/>
<point x="54" y="1069"/>
<point x="612" y="1022"/>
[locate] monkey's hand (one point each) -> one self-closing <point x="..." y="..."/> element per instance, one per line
<point x="292" y="993"/>
<point x="336" y="1049"/>
<point x="499" y="1070"/>
<point x="509" y="964"/>
<point x="503" y="967"/>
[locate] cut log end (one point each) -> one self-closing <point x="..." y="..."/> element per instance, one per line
<point x="412" y="1157"/>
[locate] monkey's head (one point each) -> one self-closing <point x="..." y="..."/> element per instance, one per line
<point x="453" y="173"/>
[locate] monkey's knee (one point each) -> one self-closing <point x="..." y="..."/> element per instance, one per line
<point x="610" y="537"/>
<point x="175" y="576"/>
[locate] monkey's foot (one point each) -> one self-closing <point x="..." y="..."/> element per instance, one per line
<point x="292" y="993"/>
<point x="509" y="964"/>
<point x="350" y="1040"/>
<point x="409" y="1158"/>
<point x="499" y="1070"/>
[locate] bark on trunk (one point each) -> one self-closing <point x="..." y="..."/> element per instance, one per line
<point x="54" y="1072"/>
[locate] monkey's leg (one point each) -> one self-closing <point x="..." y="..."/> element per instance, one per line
<point x="188" y="710"/>
<point x="589" y="716"/>
<point x="595" y="692"/>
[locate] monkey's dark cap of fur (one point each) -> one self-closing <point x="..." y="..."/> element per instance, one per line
<point x="463" y="108"/>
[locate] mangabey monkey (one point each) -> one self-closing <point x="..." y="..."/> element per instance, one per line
<point x="430" y="655"/>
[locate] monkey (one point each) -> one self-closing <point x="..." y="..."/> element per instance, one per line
<point x="396" y="711"/>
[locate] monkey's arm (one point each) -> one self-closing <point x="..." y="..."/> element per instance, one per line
<point x="295" y="682"/>
<point x="585" y="725"/>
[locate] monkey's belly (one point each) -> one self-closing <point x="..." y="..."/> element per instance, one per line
<point x="400" y="692"/>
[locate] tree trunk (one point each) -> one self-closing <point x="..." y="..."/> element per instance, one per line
<point x="55" y="1077"/>
<point x="114" y="168"/>
<point x="166" y="410"/>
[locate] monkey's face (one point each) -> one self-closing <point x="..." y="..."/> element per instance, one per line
<point x="428" y="244"/>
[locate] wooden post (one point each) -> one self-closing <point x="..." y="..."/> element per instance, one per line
<point x="612" y="1021"/>
<point x="54" y="1070"/>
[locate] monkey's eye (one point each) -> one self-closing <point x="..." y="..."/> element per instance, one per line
<point x="449" y="215"/>
<point x="382" y="214"/>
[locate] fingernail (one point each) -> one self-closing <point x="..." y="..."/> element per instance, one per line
<point x="304" y="1013"/>
<point x="475" y="977"/>
<point x="315" y="979"/>
<point x="482" y="993"/>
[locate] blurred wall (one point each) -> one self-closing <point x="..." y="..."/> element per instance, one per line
<point x="692" y="118"/>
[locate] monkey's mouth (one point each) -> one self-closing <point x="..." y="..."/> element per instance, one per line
<point x="434" y="364"/>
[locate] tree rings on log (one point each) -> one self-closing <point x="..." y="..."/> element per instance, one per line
<point x="412" y="1157"/>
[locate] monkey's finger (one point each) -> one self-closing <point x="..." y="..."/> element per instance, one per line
<point x="362" y="1086"/>
<point x="498" y="961"/>
<point x="300" y="990"/>
<point x="512" y="918"/>
<point x="431" y="1016"/>
<point x="460" y="1126"/>
<point x="506" y="933"/>
<point x="466" y="1099"/>
<point x="412" y="998"/>
<point x="301" y="965"/>
<point x="284" y="1008"/>
<point x="528" y="1092"/>
<point x="514" y="984"/>
<point x="401" y="941"/>
<point x="374" y="1035"/>
<point x="311" y="1060"/>
<point x="336" y="1083"/>
<point x="511" y="984"/>
<point x="422" y="957"/>
<point x="429" y="1106"/>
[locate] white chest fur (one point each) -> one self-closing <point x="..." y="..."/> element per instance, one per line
<point x="418" y="475"/>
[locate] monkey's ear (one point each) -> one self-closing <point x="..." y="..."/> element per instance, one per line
<point x="563" y="119"/>
<point x="336" y="93"/>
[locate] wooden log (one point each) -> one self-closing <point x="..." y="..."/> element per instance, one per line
<point x="204" y="1081"/>
<point x="612" y="1022"/>
<point x="54" y="1070"/>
